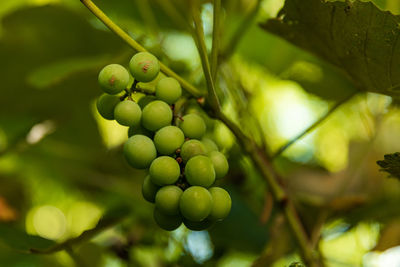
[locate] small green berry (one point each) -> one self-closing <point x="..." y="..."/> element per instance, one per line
<point x="144" y="67"/>
<point x="127" y="113"/>
<point x="168" y="90"/>
<point x="113" y="79"/>
<point x="105" y="105"/>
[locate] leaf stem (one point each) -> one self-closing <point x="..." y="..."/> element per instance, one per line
<point x="136" y="46"/>
<point x="201" y="46"/>
<point x="313" y="126"/>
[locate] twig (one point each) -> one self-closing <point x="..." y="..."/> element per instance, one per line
<point x="136" y="46"/>
<point x="313" y="126"/>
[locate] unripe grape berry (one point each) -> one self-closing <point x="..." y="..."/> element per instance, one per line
<point x="168" y="139"/>
<point x="167" y="222"/>
<point x="220" y="163"/>
<point x="149" y="190"/>
<point x="199" y="170"/>
<point x="156" y="115"/>
<point x="105" y="105"/>
<point x="168" y="90"/>
<point x="144" y="67"/>
<point x="139" y="151"/>
<point x="209" y="144"/>
<point x="193" y="126"/>
<point x="127" y="113"/>
<point x="167" y="199"/>
<point x="113" y="79"/>
<point x="198" y="226"/>
<point x="221" y="203"/>
<point x="146" y="100"/>
<point x="139" y="129"/>
<point x="164" y="170"/>
<point x="192" y="148"/>
<point x="196" y="203"/>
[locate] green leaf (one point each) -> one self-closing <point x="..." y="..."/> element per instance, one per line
<point x="391" y="164"/>
<point x="19" y="240"/>
<point x="355" y="36"/>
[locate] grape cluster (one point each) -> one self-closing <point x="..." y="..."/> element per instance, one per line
<point x="182" y="164"/>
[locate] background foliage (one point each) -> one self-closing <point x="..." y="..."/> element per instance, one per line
<point x="61" y="168"/>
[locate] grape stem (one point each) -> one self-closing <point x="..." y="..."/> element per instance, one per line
<point x="215" y="38"/>
<point x="137" y="47"/>
<point x="308" y="252"/>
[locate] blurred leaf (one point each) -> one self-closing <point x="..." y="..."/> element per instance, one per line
<point x="55" y="72"/>
<point x="355" y="36"/>
<point x="391" y="164"/>
<point x="19" y="240"/>
<point x="291" y="62"/>
<point x="111" y="217"/>
<point x="390" y="236"/>
<point x="48" y="57"/>
<point x="320" y="79"/>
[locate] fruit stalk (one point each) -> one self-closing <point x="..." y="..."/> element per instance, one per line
<point x="137" y="47"/>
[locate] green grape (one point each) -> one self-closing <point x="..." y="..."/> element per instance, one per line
<point x="209" y="144"/>
<point x="192" y="148"/>
<point x="164" y="170"/>
<point x="199" y="170"/>
<point x="149" y="190"/>
<point x="220" y="163"/>
<point x="167" y="199"/>
<point x="168" y="90"/>
<point x="156" y="115"/>
<point x="221" y="203"/>
<point x="146" y="100"/>
<point x="167" y="222"/>
<point x="113" y="79"/>
<point x="196" y="203"/>
<point x="168" y="139"/>
<point x="193" y="126"/>
<point x="105" y="105"/>
<point x="139" y="151"/>
<point x="144" y="67"/>
<point x="127" y="113"/>
<point x="198" y="226"/>
<point x="139" y="129"/>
